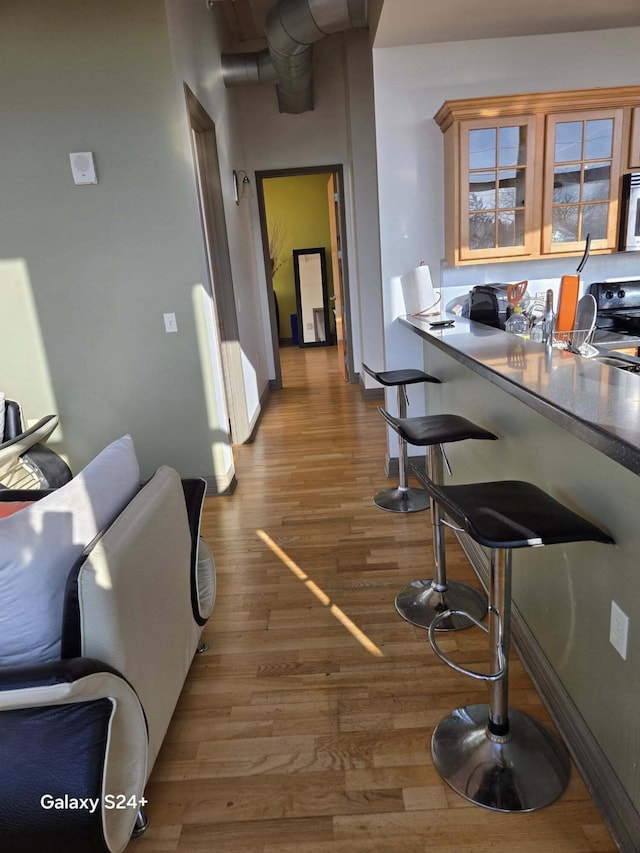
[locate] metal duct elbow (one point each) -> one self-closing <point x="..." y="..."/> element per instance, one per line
<point x="292" y="26"/>
<point x="244" y="69"/>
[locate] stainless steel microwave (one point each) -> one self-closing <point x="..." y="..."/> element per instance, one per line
<point x="630" y="213"/>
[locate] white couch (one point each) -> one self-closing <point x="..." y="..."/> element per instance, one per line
<point x="105" y="587"/>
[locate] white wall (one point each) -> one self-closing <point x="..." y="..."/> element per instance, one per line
<point x="410" y="85"/>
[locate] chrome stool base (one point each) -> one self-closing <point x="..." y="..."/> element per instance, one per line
<point x="525" y="770"/>
<point x="419" y="603"/>
<point x="402" y="500"/>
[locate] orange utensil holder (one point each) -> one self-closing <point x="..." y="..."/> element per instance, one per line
<point x="567" y="302"/>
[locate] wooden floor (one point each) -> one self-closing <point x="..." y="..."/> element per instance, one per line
<point x="306" y="726"/>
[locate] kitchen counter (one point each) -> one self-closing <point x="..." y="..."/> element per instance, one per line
<point x="596" y="403"/>
<point x="572" y="427"/>
<point x="605" y="339"/>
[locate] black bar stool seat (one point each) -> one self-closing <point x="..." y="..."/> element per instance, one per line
<point x="392" y="378"/>
<point x="514" y="514"/>
<point x="402" y="498"/>
<point x="499" y="758"/>
<point x="437" y="429"/>
<point x="420" y="601"/>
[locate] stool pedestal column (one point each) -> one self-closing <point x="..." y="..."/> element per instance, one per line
<point x="500" y="759"/>
<point x="419" y="602"/>
<point x="403" y="498"/>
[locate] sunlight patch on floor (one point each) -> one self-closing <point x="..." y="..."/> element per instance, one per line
<point x="339" y="614"/>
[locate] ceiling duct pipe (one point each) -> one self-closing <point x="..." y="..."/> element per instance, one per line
<point x="244" y="69"/>
<point x="292" y="26"/>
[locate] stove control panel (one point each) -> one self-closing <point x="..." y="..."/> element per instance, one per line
<point x="616" y="295"/>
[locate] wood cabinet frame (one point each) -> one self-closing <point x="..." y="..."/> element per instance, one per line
<point x="527" y="248"/>
<point x="609" y="242"/>
<point x="634" y="146"/>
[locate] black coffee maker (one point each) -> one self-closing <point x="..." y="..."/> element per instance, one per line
<point x="488" y="304"/>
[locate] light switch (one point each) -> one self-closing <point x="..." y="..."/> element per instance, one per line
<point x="170" y="324"/>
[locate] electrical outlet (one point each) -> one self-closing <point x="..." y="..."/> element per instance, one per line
<point x="170" y="324"/>
<point x="619" y="630"/>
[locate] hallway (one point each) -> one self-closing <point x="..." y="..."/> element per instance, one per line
<point x="306" y="726"/>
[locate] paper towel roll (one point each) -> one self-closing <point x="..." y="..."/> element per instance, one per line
<point x="396" y="300"/>
<point x="417" y="291"/>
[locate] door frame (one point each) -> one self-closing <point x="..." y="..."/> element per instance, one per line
<point x="338" y="172"/>
<point x="220" y="284"/>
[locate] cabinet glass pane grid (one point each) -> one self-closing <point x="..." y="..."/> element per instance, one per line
<point x="582" y="179"/>
<point x="496" y="187"/>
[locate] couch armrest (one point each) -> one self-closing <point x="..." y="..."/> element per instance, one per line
<point x="128" y="603"/>
<point x="73" y="742"/>
<point x="203" y="573"/>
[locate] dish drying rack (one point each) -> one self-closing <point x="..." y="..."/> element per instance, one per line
<point x="577" y="341"/>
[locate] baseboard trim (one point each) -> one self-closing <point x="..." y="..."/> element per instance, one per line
<point x="220" y="487"/>
<point x="368" y="393"/>
<point x="262" y="404"/>
<point x="615" y="805"/>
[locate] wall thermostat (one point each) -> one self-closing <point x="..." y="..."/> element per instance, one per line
<point x="83" y="168"/>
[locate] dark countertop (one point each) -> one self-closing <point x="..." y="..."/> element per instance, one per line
<point x="598" y="404"/>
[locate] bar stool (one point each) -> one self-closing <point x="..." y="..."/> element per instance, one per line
<point x="499" y="758"/>
<point x="420" y="601"/>
<point x="403" y="498"/>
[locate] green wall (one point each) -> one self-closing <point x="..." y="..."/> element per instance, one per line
<point x="86" y="273"/>
<point x="298" y="209"/>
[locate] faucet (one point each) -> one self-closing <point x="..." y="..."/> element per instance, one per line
<point x="549" y="319"/>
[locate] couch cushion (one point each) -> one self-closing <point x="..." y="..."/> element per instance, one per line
<point x="39" y="545"/>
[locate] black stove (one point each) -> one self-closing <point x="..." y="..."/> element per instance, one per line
<point x="618" y="306"/>
<point x="617" y="317"/>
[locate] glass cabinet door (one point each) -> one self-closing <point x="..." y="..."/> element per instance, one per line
<point x="496" y="188"/>
<point x="581" y="180"/>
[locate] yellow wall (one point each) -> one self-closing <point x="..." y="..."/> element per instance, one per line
<point x="298" y="209"/>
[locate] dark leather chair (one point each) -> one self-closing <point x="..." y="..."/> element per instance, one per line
<point x="25" y="461"/>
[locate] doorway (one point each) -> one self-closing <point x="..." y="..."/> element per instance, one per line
<point x="300" y="208"/>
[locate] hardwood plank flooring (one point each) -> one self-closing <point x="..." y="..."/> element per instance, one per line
<point x="306" y="726"/>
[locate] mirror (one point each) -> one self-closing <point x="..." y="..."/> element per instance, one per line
<point x="310" y="272"/>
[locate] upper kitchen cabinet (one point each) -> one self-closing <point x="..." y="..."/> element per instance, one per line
<point x="496" y="188"/>
<point x="581" y="180"/>
<point x="528" y="176"/>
